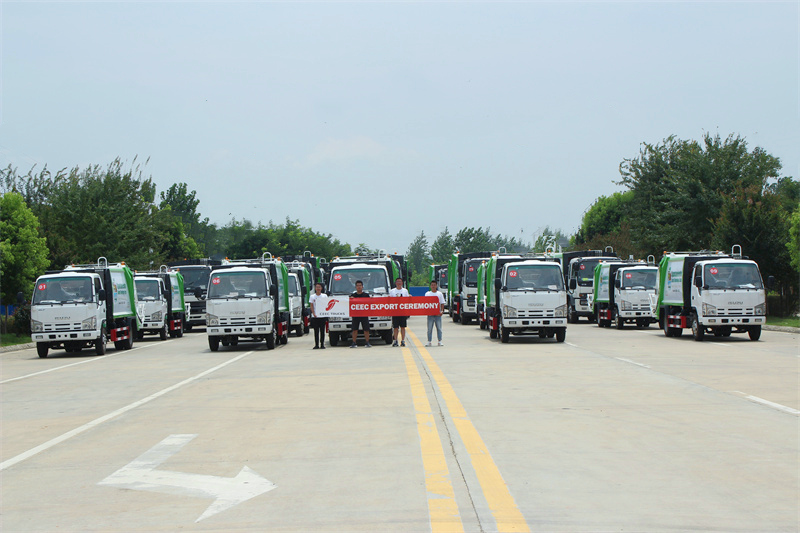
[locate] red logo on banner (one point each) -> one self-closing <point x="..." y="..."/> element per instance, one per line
<point x="215" y="281"/>
<point x="713" y="270"/>
<point x="337" y="277"/>
<point x="512" y="273"/>
<point x="331" y="304"/>
<point x="42" y="286"/>
<point x="629" y="275"/>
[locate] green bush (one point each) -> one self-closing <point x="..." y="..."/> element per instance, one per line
<point x="21" y="324"/>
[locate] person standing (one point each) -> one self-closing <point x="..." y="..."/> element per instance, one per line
<point x="363" y="320"/>
<point x="317" y="322"/>
<point x="399" y="322"/>
<point x="435" y="320"/>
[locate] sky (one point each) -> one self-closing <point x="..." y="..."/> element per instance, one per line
<point x="373" y="121"/>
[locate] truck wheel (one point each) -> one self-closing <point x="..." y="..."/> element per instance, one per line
<point x="698" y="331"/>
<point x="677" y="332"/>
<point x="561" y="334"/>
<point x="213" y="343"/>
<point x="271" y="340"/>
<point x="504" y="334"/>
<point x="482" y="324"/>
<point x="100" y="343"/>
<point x="42" y="349"/>
<point x="387" y="337"/>
<point x="163" y="333"/>
<point x="492" y="333"/>
<point x="619" y="321"/>
<point x="572" y="316"/>
<point x="234" y="341"/>
<point x="179" y="331"/>
<point x="754" y="332"/>
<point x="284" y="338"/>
<point x="542" y="334"/>
<point x="188" y="328"/>
<point x="127" y="344"/>
<point x="333" y="339"/>
<point x="305" y="330"/>
<point x="455" y="318"/>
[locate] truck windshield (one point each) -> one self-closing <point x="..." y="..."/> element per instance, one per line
<point x="238" y="285"/>
<point x="147" y="290"/>
<point x="294" y="290"/>
<point x="584" y="271"/>
<point x="534" y="278"/>
<point x="641" y="279"/>
<point x="471" y="272"/>
<point x="194" y="277"/>
<point x="62" y="290"/>
<point x="732" y="276"/>
<point x="344" y="281"/>
<point x="443" y="278"/>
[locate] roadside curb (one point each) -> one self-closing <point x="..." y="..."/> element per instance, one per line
<point x="15" y="347"/>
<point x="785" y="329"/>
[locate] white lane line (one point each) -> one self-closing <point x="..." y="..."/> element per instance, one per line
<point x="96" y="358"/>
<point x="632" y="362"/>
<point x="768" y="403"/>
<point x="105" y="418"/>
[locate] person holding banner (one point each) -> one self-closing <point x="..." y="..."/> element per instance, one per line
<point x="318" y="322"/>
<point x="399" y="322"/>
<point x="363" y="320"/>
<point x="435" y="319"/>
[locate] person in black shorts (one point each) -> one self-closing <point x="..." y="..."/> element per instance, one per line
<point x="399" y="323"/>
<point x="363" y="320"/>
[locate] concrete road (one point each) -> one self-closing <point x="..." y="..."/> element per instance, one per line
<point x="610" y="431"/>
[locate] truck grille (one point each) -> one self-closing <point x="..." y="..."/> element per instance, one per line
<point x="237" y="321"/>
<point x="535" y="313"/>
<point x="736" y="311"/>
<point x="62" y="326"/>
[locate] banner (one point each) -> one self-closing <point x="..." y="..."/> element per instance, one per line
<point x="332" y="306"/>
<point x="398" y="306"/>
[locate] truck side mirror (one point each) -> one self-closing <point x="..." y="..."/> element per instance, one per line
<point x="198" y="293"/>
<point x="20" y="298"/>
<point x="101" y="294"/>
<point x="304" y="290"/>
<point x="617" y="283"/>
<point x="573" y="284"/>
<point x="698" y="282"/>
<point x="498" y="284"/>
<point x="273" y="290"/>
<point x="770" y="282"/>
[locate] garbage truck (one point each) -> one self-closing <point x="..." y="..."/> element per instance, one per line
<point x="622" y="292"/>
<point x="711" y="292"/>
<point x="248" y="300"/>
<point x="299" y="288"/>
<point x="579" y="277"/>
<point x="195" y="274"/>
<point x="376" y="272"/>
<point x="84" y="306"/>
<point x="525" y="296"/>
<point x="160" y="302"/>
<point x="438" y="273"/>
<point x="462" y="285"/>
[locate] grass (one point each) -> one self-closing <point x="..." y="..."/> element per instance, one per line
<point x="791" y="321"/>
<point x="9" y="339"/>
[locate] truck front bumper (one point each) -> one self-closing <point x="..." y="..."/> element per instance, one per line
<point x="347" y="326"/>
<point x="61" y="336"/>
<point x="515" y="323"/>
<point x="258" y="329"/>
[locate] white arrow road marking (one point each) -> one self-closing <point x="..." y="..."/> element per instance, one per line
<point x="141" y="474"/>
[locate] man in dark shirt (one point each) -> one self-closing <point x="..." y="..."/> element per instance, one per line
<point x="364" y="321"/>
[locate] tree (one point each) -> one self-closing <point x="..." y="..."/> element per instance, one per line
<point x="604" y="217"/>
<point x="23" y="250"/>
<point x="794" y="239"/>
<point x="183" y="205"/>
<point x="442" y="247"/>
<point x="418" y="258"/>
<point x="474" y="240"/>
<point x="549" y="238"/>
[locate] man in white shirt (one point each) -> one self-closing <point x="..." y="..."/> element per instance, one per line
<point x="399" y="322"/>
<point x="435" y="320"/>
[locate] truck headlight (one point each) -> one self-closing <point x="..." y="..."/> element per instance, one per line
<point x="625" y="305"/>
<point x="709" y="310"/>
<point x="761" y="309"/>
<point x="156" y="316"/>
<point x="37" y="326"/>
<point x="263" y="318"/>
<point x="296" y="311"/>
<point x="561" y="311"/>
<point x="90" y="323"/>
<point x="212" y="320"/>
<point x="509" y="312"/>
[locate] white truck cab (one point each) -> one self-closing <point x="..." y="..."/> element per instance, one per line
<point x="580" y="284"/>
<point x="296" y="304"/>
<point x="342" y="282"/>
<point x="151" y="304"/>
<point x="531" y="298"/>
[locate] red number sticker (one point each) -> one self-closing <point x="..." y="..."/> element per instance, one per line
<point x="215" y="281"/>
<point x="713" y="270"/>
<point x="472" y="269"/>
<point x="628" y="275"/>
<point x="512" y="273"/>
<point x="42" y="286"/>
<point x="583" y="267"/>
<point x="337" y="277"/>
<point x="444" y="274"/>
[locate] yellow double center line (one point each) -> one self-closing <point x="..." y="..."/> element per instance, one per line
<point x="442" y="506"/>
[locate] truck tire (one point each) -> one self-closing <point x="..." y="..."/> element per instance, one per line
<point x="504" y="334"/>
<point x="619" y="322"/>
<point x="163" y="333"/>
<point x="561" y="334"/>
<point x="179" y="331"/>
<point x="188" y="328"/>
<point x="271" y="340"/>
<point x="42" y="348"/>
<point x="100" y="343"/>
<point x="333" y="339"/>
<point x="572" y="315"/>
<point x="213" y="343"/>
<point x="127" y="344"/>
<point x="492" y="333"/>
<point x="387" y="337"/>
<point x="698" y="332"/>
<point x="754" y="332"/>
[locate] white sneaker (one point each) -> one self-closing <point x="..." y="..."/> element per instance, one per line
<point x="441" y="343"/>
<point x="428" y="344"/>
